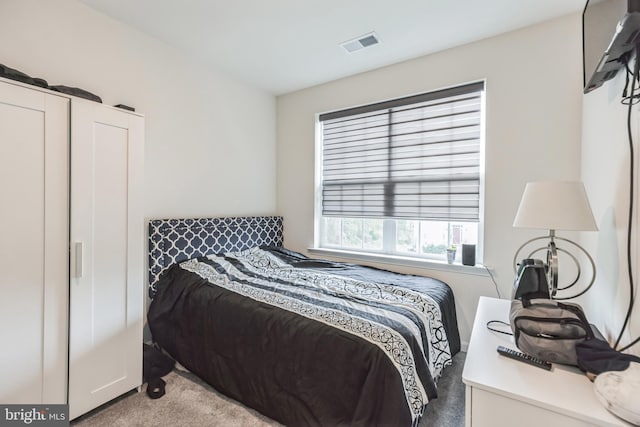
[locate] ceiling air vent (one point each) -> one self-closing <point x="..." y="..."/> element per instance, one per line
<point x="360" y="42"/>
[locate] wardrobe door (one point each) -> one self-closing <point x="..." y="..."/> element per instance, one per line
<point x="34" y="139"/>
<point x="106" y="285"/>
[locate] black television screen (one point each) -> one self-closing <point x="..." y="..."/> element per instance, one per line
<point x="610" y="30"/>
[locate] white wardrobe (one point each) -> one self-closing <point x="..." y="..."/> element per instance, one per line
<point x="71" y="249"/>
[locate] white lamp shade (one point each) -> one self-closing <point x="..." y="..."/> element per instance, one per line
<point x="555" y="205"/>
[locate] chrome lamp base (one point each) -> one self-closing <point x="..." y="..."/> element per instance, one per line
<point x="551" y="266"/>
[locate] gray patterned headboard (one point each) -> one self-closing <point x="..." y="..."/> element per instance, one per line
<point x="175" y="240"/>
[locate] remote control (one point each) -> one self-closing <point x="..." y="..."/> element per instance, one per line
<point x="516" y="355"/>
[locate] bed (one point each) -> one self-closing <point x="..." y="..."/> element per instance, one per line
<point x="303" y="341"/>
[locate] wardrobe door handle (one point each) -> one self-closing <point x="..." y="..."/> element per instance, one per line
<point x="78" y="248"/>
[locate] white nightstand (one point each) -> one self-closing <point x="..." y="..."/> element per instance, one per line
<point x="505" y="392"/>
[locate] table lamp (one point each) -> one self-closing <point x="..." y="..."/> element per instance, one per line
<point x="556" y="205"/>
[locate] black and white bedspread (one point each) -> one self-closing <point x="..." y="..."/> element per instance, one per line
<point x="305" y="341"/>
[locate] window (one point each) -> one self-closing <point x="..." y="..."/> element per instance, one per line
<point x="402" y="177"/>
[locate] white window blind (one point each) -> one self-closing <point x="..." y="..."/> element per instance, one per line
<point x="416" y="157"/>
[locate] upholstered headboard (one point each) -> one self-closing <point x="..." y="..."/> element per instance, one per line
<point x="175" y="240"/>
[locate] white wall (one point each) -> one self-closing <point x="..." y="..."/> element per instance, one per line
<point x="605" y="166"/>
<point x="533" y="82"/>
<point x="202" y="159"/>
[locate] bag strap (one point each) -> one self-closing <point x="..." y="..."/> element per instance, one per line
<point x="580" y="314"/>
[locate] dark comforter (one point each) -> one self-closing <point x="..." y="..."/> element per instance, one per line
<point x="308" y="342"/>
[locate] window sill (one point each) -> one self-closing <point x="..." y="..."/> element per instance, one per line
<point x="477" y="270"/>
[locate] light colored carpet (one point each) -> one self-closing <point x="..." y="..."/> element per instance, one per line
<point x="191" y="402"/>
<point x="448" y="409"/>
<point x="188" y="402"/>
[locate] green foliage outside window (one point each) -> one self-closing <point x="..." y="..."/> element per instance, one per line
<point x="434" y="249"/>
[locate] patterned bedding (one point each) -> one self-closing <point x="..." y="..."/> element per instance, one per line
<point x="305" y="341"/>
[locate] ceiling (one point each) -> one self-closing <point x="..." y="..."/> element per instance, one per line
<point x="285" y="45"/>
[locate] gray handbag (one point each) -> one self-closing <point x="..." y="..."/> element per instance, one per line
<point x="549" y="330"/>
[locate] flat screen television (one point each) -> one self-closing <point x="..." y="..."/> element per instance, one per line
<point x="610" y="31"/>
